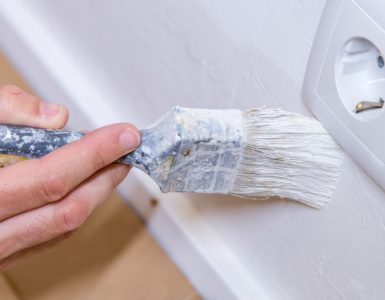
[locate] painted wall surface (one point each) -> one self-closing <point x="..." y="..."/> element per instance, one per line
<point x="141" y="57"/>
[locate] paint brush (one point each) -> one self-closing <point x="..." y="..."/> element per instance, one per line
<point x="256" y="153"/>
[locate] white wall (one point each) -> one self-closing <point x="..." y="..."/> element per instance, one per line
<point x="132" y="60"/>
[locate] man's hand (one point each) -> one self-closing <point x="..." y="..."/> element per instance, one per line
<point x="43" y="200"/>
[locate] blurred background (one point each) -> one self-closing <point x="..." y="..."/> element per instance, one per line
<point x="116" y="60"/>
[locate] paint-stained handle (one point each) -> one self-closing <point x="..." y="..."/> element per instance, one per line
<point x="29" y="142"/>
<point x="21" y="142"/>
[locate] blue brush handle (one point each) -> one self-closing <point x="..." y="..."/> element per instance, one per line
<point x="30" y="142"/>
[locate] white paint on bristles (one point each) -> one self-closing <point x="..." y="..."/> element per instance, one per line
<point x="287" y="155"/>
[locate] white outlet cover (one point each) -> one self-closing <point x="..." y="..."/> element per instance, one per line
<point x="346" y="67"/>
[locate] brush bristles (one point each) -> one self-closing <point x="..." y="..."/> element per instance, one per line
<point x="289" y="156"/>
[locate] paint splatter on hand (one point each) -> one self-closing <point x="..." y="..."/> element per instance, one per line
<point x="43" y="200"/>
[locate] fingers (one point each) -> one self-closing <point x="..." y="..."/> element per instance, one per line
<point x="19" y="107"/>
<point x="34" y="183"/>
<point x="50" y="221"/>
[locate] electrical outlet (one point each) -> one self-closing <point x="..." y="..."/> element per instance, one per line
<point x="344" y="84"/>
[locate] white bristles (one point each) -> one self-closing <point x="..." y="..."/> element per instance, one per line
<point x="287" y="155"/>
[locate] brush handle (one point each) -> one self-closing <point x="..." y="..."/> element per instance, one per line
<point x="157" y="143"/>
<point x="30" y="142"/>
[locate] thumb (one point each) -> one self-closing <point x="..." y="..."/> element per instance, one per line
<point x="20" y="108"/>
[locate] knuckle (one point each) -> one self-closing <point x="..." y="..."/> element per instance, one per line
<point x="71" y="216"/>
<point x="98" y="158"/>
<point x="52" y="186"/>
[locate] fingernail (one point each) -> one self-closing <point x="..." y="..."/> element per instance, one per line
<point x="49" y="110"/>
<point x="129" y="139"/>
